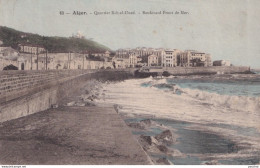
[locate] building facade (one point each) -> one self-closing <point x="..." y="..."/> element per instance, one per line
<point x="184" y="59"/>
<point x="120" y="63"/>
<point x="191" y="58"/>
<point x="153" y="60"/>
<point x="221" y="63"/>
<point x="29" y="48"/>
<point x="101" y="54"/>
<point x="133" y="60"/>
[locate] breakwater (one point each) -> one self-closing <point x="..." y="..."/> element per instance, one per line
<point x="203" y="70"/>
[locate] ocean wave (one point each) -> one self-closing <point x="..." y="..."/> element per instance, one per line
<point x="244" y="103"/>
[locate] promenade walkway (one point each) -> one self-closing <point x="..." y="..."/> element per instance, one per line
<point x="70" y="135"/>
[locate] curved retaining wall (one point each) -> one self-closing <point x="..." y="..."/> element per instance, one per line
<point x="15" y="84"/>
<point x="34" y="98"/>
<point x="40" y="98"/>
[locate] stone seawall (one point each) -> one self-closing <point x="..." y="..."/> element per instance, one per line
<point x="207" y="70"/>
<point x="44" y="89"/>
<point x="15" y="84"/>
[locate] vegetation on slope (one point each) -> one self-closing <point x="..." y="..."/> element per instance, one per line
<point x="11" y="37"/>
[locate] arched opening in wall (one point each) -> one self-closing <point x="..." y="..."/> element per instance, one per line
<point x="10" y="67"/>
<point x="58" y="66"/>
<point x="22" y="66"/>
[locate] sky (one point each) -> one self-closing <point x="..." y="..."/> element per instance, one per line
<point x="227" y="29"/>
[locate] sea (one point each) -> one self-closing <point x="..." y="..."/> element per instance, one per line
<point x="215" y="118"/>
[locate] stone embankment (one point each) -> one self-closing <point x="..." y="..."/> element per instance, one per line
<point x="28" y="92"/>
<point x="199" y="70"/>
<point x="15" y="84"/>
<point x="208" y="70"/>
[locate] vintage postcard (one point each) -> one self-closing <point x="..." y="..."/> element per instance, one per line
<point x="129" y="82"/>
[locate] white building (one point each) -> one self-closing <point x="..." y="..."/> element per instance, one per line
<point x="169" y="57"/>
<point x="133" y="60"/>
<point x="101" y="54"/>
<point x="194" y="58"/>
<point x="120" y="63"/>
<point x="29" y="48"/>
<point x="153" y="60"/>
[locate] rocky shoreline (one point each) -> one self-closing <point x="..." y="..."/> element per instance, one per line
<point x="157" y="144"/>
<point x="163" y="143"/>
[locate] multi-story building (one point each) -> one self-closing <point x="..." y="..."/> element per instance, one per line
<point x="153" y="60"/>
<point x="133" y="60"/>
<point x="184" y="59"/>
<point x="128" y="58"/>
<point x="123" y="53"/>
<point x="197" y="59"/>
<point x="29" y="48"/>
<point x="169" y="57"/>
<point x="120" y="63"/>
<point x="166" y="57"/>
<point x="143" y="53"/>
<point x="194" y="59"/>
<point x="101" y="54"/>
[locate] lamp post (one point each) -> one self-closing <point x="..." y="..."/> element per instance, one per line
<point x="31" y="59"/>
<point x="46" y="59"/>
<point x="37" y="57"/>
<point x="83" y="60"/>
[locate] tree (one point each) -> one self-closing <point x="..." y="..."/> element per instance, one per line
<point x="197" y="62"/>
<point x="114" y="64"/>
<point x="166" y="73"/>
<point x="10" y="67"/>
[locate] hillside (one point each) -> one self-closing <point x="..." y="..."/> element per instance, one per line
<point x="11" y="37"/>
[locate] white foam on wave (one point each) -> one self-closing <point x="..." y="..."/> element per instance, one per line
<point x="244" y="103"/>
<point x="192" y="105"/>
